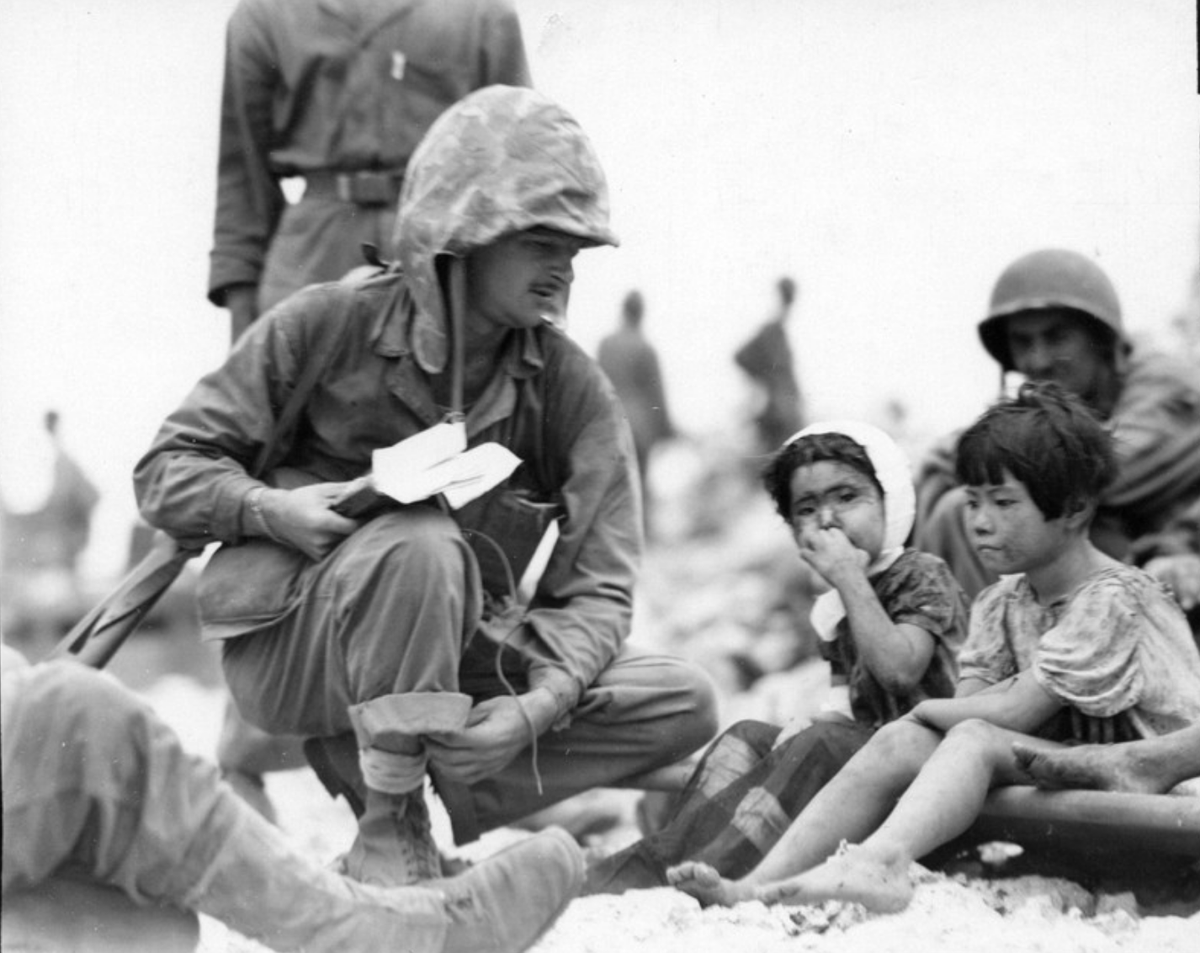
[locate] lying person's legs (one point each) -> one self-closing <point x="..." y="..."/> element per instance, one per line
<point x="942" y="802"/>
<point x="94" y="782"/>
<point x="848" y="808"/>
<point x="1149" y="766"/>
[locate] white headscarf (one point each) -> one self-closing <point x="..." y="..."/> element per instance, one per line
<point x="899" y="508"/>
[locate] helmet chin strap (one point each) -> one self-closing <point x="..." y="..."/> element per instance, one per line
<point x="457" y="288"/>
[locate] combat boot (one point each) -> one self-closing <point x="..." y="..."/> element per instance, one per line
<point x="395" y="845"/>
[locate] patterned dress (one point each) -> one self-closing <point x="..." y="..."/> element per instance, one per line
<point x="1118" y="644"/>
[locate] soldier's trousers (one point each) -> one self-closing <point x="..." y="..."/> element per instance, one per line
<point x="393" y="610"/>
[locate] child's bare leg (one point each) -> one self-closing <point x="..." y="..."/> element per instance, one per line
<point x="848" y="808"/>
<point x="1151" y="766"/>
<point x="940" y="804"/>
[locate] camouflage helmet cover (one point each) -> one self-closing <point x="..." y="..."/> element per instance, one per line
<point x="1052" y="278"/>
<point x="503" y="159"/>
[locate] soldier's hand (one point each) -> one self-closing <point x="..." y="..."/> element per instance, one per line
<point x="304" y="518"/>
<point x="242" y="302"/>
<point x="497" y="730"/>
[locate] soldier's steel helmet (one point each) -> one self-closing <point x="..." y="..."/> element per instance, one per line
<point x="1053" y="278"/>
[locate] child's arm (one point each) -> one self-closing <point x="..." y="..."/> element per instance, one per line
<point x="1018" y="703"/>
<point x="897" y="655"/>
<point x="971" y="686"/>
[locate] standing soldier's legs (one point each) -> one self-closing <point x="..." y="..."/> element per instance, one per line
<point x="320" y="239"/>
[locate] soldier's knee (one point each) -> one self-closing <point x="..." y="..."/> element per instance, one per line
<point x="70" y="700"/>
<point x="696" y="701"/>
<point x="704" y="703"/>
<point x="423" y="544"/>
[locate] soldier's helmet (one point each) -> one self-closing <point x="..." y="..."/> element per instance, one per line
<point x="1053" y="278"/>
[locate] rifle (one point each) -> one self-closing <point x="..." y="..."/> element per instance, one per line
<point x="95" y="638"/>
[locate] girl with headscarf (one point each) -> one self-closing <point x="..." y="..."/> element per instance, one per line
<point x="890" y="626"/>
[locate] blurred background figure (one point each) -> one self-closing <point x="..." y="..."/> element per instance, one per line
<point x="1186" y="323"/>
<point x="46" y="516"/>
<point x="767" y="360"/>
<point x="631" y="363"/>
<point x="335" y="94"/>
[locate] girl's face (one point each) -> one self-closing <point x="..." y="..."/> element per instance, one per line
<point x="1007" y="529"/>
<point x="829" y="494"/>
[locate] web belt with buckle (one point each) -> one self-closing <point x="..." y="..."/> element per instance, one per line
<point x="364" y="187"/>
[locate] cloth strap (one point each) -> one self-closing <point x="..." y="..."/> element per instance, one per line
<point x="392" y="772"/>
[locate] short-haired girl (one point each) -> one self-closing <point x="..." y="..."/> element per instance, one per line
<point x="1067" y="627"/>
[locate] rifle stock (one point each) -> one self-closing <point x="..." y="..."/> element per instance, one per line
<point x="94" y="640"/>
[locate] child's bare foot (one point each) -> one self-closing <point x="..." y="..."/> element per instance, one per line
<point x="1098" y="767"/>
<point x="706" y="885"/>
<point x="879" y="883"/>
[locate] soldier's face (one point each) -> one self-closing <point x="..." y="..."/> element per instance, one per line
<point x="521" y="279"/>
<point x="1056" y="345"/>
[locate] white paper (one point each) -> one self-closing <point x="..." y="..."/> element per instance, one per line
<point x="393" y="465"/>
<point x="437" y="461"/>
<point x="473" y="473"/>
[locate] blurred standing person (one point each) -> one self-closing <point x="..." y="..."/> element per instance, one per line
<point x="767" y="359"/>
<point x="337" y="93"/>
<point x="631" y="363"/>
<point x="47" y="526"/>
<point x="1186" y="322"/>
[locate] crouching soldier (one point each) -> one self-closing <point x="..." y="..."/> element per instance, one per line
<point x="393" y="638"/>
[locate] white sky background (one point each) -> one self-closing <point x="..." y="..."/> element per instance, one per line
<point x="892" y="155"/>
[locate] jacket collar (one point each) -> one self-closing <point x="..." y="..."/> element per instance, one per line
<point x="522" y="357"/>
